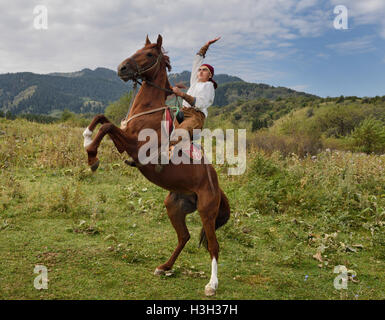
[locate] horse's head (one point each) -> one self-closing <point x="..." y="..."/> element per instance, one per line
<point x="144" y="63"/>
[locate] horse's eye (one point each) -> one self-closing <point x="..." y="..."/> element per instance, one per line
<point x="149" y="54"/>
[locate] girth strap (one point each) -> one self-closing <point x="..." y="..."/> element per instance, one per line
<point x="141" y="114"/>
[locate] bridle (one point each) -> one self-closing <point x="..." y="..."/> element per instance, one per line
<point x="139" y="74"/>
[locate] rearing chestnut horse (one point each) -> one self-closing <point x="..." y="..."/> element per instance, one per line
<point x="189" y="184"/>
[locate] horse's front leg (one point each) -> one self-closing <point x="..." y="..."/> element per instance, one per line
<point x="116" y="134"/>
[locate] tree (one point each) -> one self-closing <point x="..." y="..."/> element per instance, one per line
<point x="237" y="116"/>
<point x="9" y="115"/>
<point x="340" y="99"/>
<point x="369" y="136"/>
<point x="259" y="124"/>
<point x="66" y="115"/>
<point x="117" y="110"/>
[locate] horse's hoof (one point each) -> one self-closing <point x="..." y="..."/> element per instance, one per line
<point x="209" y="291"/>
<point x="158" y="272"/>
<point x="95" y="166"/>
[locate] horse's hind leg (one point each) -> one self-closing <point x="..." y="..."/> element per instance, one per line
<point x="87" y="134"/>
<point x="118" y="137"/>
<point x="208" y="207"/>
<point x="100" y="118"/>
<point x="178" y="206"/>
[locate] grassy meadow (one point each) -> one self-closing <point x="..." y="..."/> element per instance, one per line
<point x="102" y="234"/>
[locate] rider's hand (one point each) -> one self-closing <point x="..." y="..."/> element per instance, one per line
<point x="212" y="41"/>
<point x="180" y="85"/>
<point x="177" y="91"/>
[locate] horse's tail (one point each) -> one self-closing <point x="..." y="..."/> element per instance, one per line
<point x="222" y="218"/>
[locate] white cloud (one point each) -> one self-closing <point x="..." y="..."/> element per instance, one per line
<point x="356" y="46"/>
<point x="275" y="54"/>
<point x="305" y="4"/>
<point x="284" y="44"/>
<point x="267" y="53"/>
<point x="103" y="33"/>
<point x="323" y="55"/>
<point x="248" y="69"/>
<point x="365" y="12"/>
<point x="299" y="87"/>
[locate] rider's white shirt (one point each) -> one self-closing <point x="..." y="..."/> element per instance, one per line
<point x="204" y="92"/>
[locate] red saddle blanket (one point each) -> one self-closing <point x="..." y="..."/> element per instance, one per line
<point x="195" y="151"/>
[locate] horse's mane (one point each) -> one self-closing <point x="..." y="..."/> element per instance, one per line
<point x="166" y="60"/>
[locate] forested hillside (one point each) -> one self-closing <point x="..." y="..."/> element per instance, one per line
<point x="84" y="91"/>
<point x="91" y="91"/>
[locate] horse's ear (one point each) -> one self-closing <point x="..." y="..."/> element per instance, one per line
<point x="147" y="40"/>
<point x="159" y="41"/>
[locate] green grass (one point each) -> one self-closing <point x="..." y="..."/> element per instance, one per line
<point x="101" y="235"/>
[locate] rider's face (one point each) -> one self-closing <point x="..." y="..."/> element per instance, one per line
<point x="204" y="74"/>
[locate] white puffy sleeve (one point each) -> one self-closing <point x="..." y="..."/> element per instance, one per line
<point x="205" y="97"/>
<point x="198" y="59"/>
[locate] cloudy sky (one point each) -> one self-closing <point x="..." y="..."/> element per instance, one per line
<point x="279" y="42"/>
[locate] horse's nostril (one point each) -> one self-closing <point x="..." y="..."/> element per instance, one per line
<point x="123" y="68"/>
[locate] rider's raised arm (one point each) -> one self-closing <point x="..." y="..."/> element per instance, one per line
<point x="198" y="60"/>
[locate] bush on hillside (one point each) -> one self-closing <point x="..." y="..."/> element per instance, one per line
<point x="369" y="136"/>
<point x="117" y="110"/>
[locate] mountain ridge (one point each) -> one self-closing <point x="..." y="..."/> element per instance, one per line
<point x="91" y="91"/>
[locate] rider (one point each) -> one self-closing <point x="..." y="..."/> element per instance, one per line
<point x="199" y="96"/>
<point x="197" y="99"/>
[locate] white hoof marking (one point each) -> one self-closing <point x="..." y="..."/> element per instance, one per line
<point x="87" y="134"/>
<point x="209" y="291"/>
<point x="212" y="286"/>
<point x="158" y="272"/>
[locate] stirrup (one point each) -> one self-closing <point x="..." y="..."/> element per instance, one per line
<point x="131" y="163"/>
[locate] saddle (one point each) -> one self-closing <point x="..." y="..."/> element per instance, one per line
<point x="195" y="151"/>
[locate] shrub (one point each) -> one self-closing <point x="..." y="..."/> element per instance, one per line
<point x="369" y="136"/>
<point x="309" y="112"/>
<point x="301" y="144"/>
<point x="117" y="110"/>
<point x="340" y="99"/>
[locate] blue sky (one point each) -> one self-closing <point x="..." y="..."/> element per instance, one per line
<point x="289" y="43"/>
<point x="348" y="62"/>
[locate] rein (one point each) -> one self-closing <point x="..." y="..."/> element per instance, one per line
<point x="139" y="75"/>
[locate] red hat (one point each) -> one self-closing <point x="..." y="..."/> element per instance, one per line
<point x="212" y="74"/>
